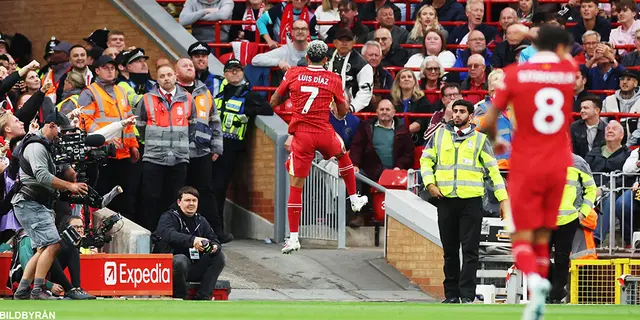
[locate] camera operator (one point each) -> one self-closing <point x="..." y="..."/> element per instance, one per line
<point x="196" y="250"/>
<point x="33" y="202"/>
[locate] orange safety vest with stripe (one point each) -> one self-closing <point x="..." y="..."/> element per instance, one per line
<point x="584" y="245"/>
<point x="51" y="93"/>
<point x="104" y="111"/>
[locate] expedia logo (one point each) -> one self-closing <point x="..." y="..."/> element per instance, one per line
<point x="115" y="273"/>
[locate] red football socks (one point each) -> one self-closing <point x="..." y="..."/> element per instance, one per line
<point x="524" y="256"/>
<point x="542" y="258"/>
<point x="294" y="208"/>
<point x="347" y="173"/>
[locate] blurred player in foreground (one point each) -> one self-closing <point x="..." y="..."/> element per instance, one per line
<point x="540" y="93"/>
<point x="313" y="90"/>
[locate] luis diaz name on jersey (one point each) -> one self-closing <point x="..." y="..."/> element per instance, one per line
<point x="319" y="80"/>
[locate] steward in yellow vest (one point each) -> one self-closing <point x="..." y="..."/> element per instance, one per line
<point x="453" y="164"/>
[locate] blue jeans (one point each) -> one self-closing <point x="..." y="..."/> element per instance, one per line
<point x="622" y="211"/>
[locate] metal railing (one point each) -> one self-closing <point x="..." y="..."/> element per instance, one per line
<point x="323" y="205"/>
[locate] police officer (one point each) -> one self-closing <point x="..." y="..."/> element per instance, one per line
<point x="134" y="78"/>
<point x="452" y="166"/>
<point x="577" y="203"/>
<point x="236" y="105"/>
<point x="199" y="53"/>
<point x="32" y="205"/>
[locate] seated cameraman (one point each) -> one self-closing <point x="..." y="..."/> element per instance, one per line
<point x="33" y="202"/>
<point x="196" y="250"/>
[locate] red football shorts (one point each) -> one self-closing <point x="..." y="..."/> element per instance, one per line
<point x="303" y="150"/>
<point x="535" y="198"/>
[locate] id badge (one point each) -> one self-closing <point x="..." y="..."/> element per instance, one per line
<point x="195" y="255"/>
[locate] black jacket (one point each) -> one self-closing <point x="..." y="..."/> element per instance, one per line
<point x="359" y="30"/>
<point x="631" y="59"/>
<point x="421" y="105"/>
<point x="173" y="236"/>
<point x="603" y="27"/>
<point x="504" y="54"/>
<point x="579" y="137"/>
<point x="456" y="35"/>
<point x="599" y="163"/>
<point x="367" y="11"/>
<point x="396" y="57"/>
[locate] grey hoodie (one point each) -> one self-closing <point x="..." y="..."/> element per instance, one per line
<point x="615" y="103"/>
<point x="194" y="10"/>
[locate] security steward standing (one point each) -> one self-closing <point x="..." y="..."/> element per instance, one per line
<point x="183" y="232"/>
<point x="236" y="105"/>
<point x="33" y="202"/>
<point x="205" y="142"/>
<point x="103" y="103"/>
<point x="578" y="200"/>
<point x="452" y="166"/>
<point x="199" y="53"/>
<point x="164" y="117"/>
<point x="74" y="83"/>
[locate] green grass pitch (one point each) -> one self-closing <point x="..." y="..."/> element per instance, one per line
<point x="241" y="310"/>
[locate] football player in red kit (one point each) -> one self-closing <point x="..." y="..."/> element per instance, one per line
<point x="312" y="91"/>
<point x="540" y="92"/>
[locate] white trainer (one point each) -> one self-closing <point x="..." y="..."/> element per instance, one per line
<point x="358" y="203"/>
<point x="290" y="245"/>
<point x="539" y="289"/>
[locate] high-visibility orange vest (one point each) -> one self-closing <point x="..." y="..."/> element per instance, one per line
<point x="51" y="93"/>
<point x="584" y="245"/>
<point x="104" y="111"/>
<point x="167" y="129"/>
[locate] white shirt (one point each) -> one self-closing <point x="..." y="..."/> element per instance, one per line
<point x="591" y="134"/>
<point x="173" y="93"/>
<point x="621" y="37"/>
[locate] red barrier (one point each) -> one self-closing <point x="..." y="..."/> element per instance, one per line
<point x="116" y="274"/>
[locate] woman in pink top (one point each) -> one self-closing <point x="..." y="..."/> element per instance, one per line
<point x="625" y="34"/>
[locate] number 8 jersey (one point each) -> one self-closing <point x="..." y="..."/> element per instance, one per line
<point x="312" y="90"/>
<point x="540" y="93"/>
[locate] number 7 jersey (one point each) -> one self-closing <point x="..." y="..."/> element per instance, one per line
<point x="311" y="89"/>
<point x="540" y="93"/>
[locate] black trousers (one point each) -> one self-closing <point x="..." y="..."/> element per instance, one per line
<point x="222" y="173"/>
<point x="134" y="194"/>
<point x="199" y="177"/>
<point x="68" y="257"/>
<point x="460" y="222"/>
<point x="160" y="190"/>
<point x="115" y="173"/>
<point x="205" y="270"/>
<point x="561" y="241"/>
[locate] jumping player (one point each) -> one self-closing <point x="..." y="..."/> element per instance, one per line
<point x="313" y="90"/>
<point x="540" y="92"/>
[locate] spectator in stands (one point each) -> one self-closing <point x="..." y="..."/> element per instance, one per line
<point x="355" y="72"/>
<point x="588" y="131"/>
<point x="426" y="20"/>
<point x="370" y="10"/>
<point x="392" y="54"/>
<point x="431" y="73"/>
<point x="590" y="41"/>
<point x="32" y="83"/>
<point x="439" y="119"/>
<point x="275" y="26"/>
<point x="386" y="20"/>
<point x="508" y="16"/>
<point x="626" y="99"/>
<point x="287" y="55"/>
<point x="73" y="85"/>
<point x="116" y="40"/>
<point x="103" y="102"/>
<point x="505" y="123"/>
<point x="590" y="20"/>
<point x="93" y="54"/>
<point x="207" y="10"/>
<point x="477" y="79"/>
<point x="447" y="10"/>
<point x="249" y="11"/>
<point x="381" y="143"/>
<point x="111" y="52"/>
<point x="526" y="9"/>
<point x="580" y="89"/>
<point x="505" y="52"/>
<point x="199" y="53"/>
<point x="97" y="38"/>
<point x="625" y="34"/>
<point x="632" y="59"/>
<point x="570" y="11"/>
<point x="197" y="253"/>
<point x="433" y="45"/>
<point x="475" y="15"/>
<point x="477" y="44"/>
<point x="78" y="60"/>
<point x="59" y="62"/>
<point x="609" y="158"/>
<point x="382" y="79"/>
<point x="4" y="45"/>
<point x="605" y="64"/>
<point x="48" y="51"/>
<point x="326" y="12"/>
<point x="349" y="18"/>
<point x="407" y="97"/>
<point x="205" y="142"/>
<point x="238" y="106"/>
